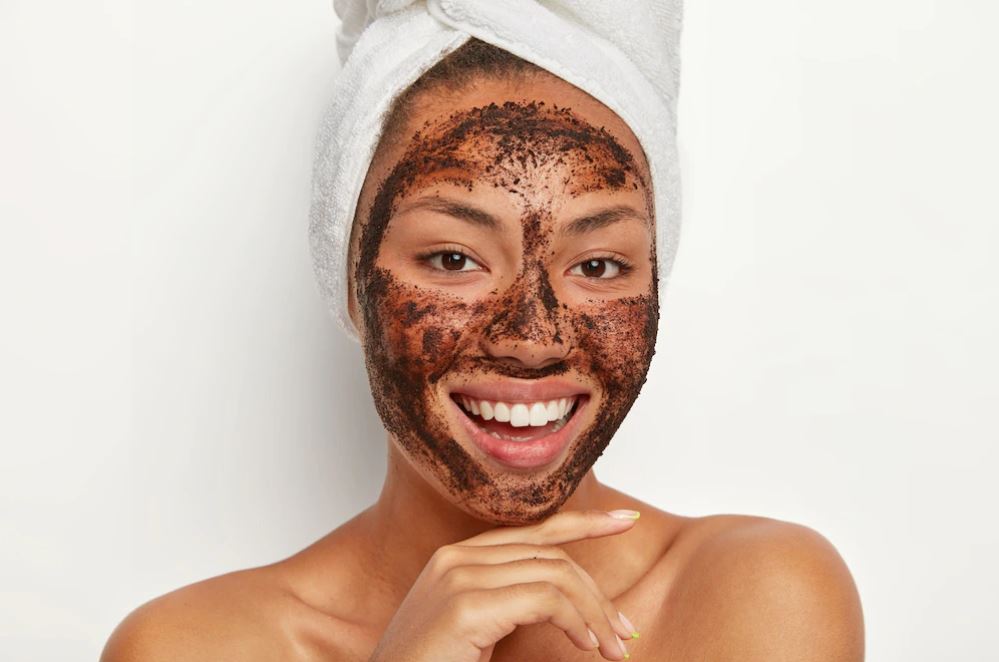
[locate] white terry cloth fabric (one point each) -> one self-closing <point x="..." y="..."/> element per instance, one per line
<point x="625" y="53"/>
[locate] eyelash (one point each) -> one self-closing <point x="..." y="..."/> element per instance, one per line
<point x="424" y="258"/>
<point x="624" y="266"/>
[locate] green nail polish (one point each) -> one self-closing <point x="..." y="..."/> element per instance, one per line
<point x="634" y="635"/>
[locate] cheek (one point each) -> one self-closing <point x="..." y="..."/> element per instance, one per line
<point x="411" y="329"/>
<point x="617" y="339"/>
<point x="412" y="337"/>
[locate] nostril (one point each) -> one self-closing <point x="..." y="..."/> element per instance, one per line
<point x="524" y="325"/>
<point x="530" y="316"/>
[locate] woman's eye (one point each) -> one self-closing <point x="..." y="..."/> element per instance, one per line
<point x="600" y="267"/>
<point x="450" y="261"/>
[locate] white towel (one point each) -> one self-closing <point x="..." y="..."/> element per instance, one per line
<point x="625" y="53"/>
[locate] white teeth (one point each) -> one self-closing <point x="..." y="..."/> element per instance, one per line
<point x="539" y="414"/>
<point x="519" y="414"/>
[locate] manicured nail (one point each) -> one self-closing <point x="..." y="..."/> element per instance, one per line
<point x="593" y="637"/>
<point x="627" y="624"/>
<point x="625" y="514"/>
<point x="624" y="650"/>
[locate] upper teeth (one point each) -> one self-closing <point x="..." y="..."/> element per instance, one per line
<point x="519" y="414"/>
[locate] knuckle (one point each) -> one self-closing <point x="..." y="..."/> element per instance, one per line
<point x="572" y="520"/>
<point x="531" y="598"/>
<point x="454" y="579"/>
<point x="461" y="609"/>
<point x="581" y="515"/>
<point x="594" y="517"/>
<point x="469" y="600"/>
<point x="555" y="518"/>
<point x="559" y="567"/>
<point x="444" y="557"/>
<point x="550" y="595"/>
<point x="559" y="553"/>
<point x="564" y="566"/>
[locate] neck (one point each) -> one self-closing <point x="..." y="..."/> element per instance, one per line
<point x="411" y="520"/>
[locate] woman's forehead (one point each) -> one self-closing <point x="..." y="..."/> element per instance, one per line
<point x="542" y="156"/>
<point x="547" y="144"/>
<point x="535" y="123"/>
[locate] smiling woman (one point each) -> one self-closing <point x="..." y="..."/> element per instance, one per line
<point x="503" y="281"/>
<point x="501" y="179"/>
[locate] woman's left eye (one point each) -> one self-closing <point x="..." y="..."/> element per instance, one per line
<point x="450" y="261"/>
<point x="600" y="267"/>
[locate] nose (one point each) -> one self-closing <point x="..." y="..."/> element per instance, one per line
<point x="527" y="329"/>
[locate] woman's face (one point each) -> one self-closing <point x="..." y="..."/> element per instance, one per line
<point x="504" y="266"/>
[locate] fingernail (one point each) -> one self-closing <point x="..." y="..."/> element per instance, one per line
<point x="593" y="637"/>
<point x="623" y="649"/>
<point x="624" y="514"/>
<point x="627" y="624"/>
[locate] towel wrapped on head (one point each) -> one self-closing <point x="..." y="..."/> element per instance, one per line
<point x="624" y="53"/>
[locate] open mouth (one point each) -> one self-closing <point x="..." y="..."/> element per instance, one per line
<point x="521" y="434"/>
<point x="518" y="421"/>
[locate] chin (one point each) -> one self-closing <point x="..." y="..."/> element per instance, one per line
<point x="522" y="515"/>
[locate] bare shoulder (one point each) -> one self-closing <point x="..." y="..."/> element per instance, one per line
<point x="754" y="588"/>
<point x="245" y="615"/>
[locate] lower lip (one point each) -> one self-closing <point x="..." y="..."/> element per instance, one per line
<point x="524" y="454"/>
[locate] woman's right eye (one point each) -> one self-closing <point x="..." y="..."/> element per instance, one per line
<point x="450" y="261"/>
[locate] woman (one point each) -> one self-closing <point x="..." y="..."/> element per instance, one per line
<point x="503" y="283"/>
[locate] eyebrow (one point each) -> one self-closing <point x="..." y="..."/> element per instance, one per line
<point x="458" y="210"/>
<point x="601" y="219"/>
<point x="481" y="218"/>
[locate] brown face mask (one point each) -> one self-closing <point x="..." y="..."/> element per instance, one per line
<point x="421" y="341"/>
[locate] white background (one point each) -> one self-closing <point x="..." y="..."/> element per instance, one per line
<point x="177" y="403"/>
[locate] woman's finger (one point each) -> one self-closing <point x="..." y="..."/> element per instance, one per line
<point x="516" y="551"/>
<point x="561" y="573"/>
<point x="498" y="611"/>
<point x="560" y="528"/>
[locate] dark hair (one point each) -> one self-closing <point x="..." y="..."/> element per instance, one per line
<point x="455" y="72"/>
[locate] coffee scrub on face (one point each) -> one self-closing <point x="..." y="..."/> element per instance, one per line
<point x="423" y="341"/>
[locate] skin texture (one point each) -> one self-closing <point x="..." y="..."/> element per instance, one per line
<point x="722" y="588"/>
<point x="425" y="335"/>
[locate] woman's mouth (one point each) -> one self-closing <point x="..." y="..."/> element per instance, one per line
<point x="520" y="434"/>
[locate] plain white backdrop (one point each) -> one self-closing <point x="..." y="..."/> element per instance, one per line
<point x="177" y="403"/>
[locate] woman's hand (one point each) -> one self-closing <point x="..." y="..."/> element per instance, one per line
<point x="473" y="593"/>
